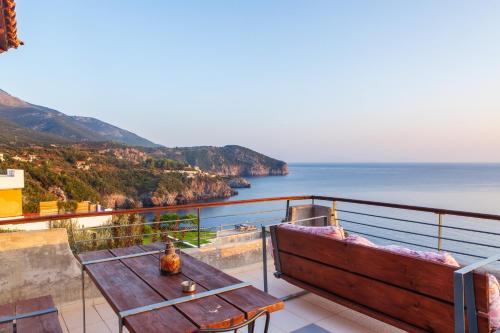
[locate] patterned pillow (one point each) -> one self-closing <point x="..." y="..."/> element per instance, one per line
<point x="356" y="239"/>
<point x="330" y="231"/>
<point x="494" y="291"/>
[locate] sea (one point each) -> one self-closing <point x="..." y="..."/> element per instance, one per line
<point x="465" y="187"/>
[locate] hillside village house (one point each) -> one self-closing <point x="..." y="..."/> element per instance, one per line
<point x="11" y="200"/>
<point x="11" y="205"/>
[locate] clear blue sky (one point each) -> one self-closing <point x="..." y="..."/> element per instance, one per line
<point x="298" y="80"/>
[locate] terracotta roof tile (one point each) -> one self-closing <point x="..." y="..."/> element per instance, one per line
<point x="8" y="26"/>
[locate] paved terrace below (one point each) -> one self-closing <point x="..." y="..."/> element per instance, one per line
<point x="298" y="316"/>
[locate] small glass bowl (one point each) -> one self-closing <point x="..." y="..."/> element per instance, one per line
<point x="188" y="286"/>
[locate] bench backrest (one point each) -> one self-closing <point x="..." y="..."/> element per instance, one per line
<point x="411" y="293"/>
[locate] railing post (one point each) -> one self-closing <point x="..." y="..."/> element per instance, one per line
<point x="94" y="242"/>
<point x="440" y="231"/>
<point x="199" y="224"/>
<point x="334" y="213"/>
<point x="287" y="216"/>
<point x="83" y="298"/>
<point x="72" y="239"/>
<point x="155" y="228"/>
<point x="264" y="257"/>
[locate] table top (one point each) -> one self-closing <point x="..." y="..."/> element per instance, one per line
<point x="134" y="282"/>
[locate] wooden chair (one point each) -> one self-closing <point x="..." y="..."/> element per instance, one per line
<point x="36" y="315"/>
<point x="410" y="293"/>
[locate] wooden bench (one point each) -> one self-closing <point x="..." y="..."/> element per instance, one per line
<point x="410" y="293"/>
<point x="37" y="315"/>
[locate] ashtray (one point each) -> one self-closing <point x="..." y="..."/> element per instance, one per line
<point x="188" y="286"/>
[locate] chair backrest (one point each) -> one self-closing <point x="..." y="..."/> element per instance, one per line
<point x="408" y="292"/>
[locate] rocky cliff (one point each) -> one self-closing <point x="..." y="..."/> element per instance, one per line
<point x="114" y="177"/>
<point x="229" y="160"/>
<point x="194" y="189"/>
<point x="197" y="189"/>
<point x="237" y="182"/>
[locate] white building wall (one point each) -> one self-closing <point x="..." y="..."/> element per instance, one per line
<point x="12" y="180"/>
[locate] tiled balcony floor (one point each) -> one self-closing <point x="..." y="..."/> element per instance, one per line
<point x="298" y="313"/>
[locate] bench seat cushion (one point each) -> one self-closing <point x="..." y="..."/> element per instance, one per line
<point x="330" y="231"/>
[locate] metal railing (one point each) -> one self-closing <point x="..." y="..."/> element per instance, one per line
<point x="429" y="233"/>
<point x="454" y="231"/>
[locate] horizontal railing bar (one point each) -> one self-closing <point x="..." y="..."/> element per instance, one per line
<point x="419" y="222"/>
<point x="414" y="244"/>
<point x="409" y="207"/>
<point x="126" y="236"/>
<point x="141" y="254"/>
<point x="419" y="234"/>
<point x="110" y="226"/>
<point x="387" y="217"/>
<point x="254" y="222"/>
<point x="215" y="227"/>
<point x="244" y="213"/>
<point x="290" y="222"/>
<point x="183" y="299"/>
<point x="39" y="218"/>
<point x="45" y="218"/>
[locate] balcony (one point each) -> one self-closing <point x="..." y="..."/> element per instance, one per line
<point x="234" y="236"/>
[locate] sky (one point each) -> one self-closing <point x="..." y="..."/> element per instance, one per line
<point x="312" y="81"/>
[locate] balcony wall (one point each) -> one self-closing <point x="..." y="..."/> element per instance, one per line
<point x="39" y="263"/>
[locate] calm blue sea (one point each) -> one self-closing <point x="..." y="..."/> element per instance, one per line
<point x="470" y="187"/>
<point x="474" y="187"/>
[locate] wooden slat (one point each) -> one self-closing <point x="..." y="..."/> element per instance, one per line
<point x="483" y="321"/>
<point x="426" y="277"/>
<point x="47" y="323"/>
<point x="355" y="306"/>
<point x="423" y="312"/>
<point x="124" y="290"/>
<point x="208" y="312"/>
<point x="250" y="300"/>
<point x="7" y="310"/>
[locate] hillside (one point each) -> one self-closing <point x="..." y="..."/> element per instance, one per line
<point x="231" y="160"/>
<point x="67" y="128"/>
<point x="11" y="134"/>
<point x="116" y="176"/>
<point x="112" y="133"/>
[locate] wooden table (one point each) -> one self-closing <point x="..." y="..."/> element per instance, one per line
<point x="135" y="282"/>
<point x="36" y="315"/>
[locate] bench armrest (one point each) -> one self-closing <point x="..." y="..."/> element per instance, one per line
<point x="463" y="288"/>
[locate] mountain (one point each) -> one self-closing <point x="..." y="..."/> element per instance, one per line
<point x="28" y="124"/>
<point x="13" y="134"/>
<point x="67" y="128"/>
<point x="112" y="133"/>
<point x="231" y="160"/>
